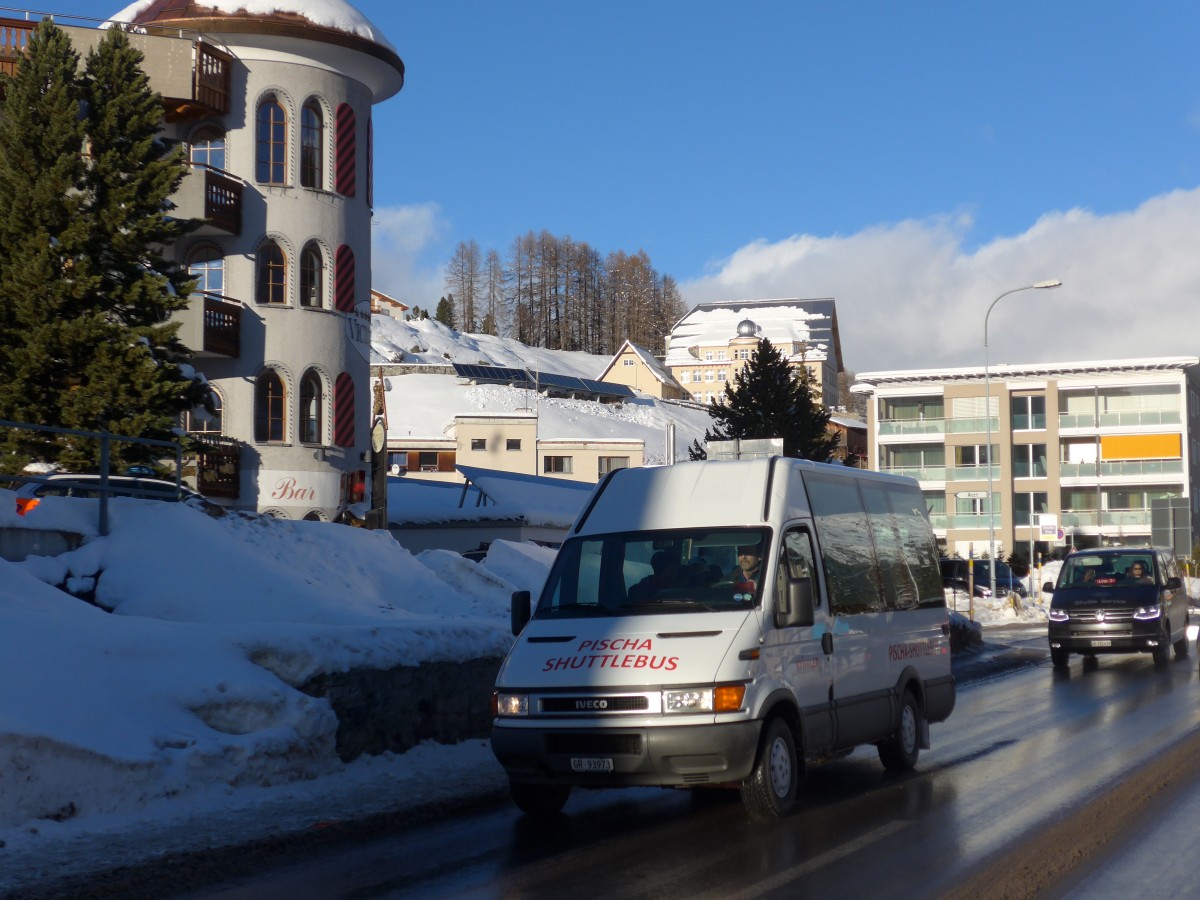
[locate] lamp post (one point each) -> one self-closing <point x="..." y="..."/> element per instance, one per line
<point x="987" y="414"/>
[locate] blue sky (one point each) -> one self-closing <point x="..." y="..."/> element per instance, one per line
<point x="911" y="160"/>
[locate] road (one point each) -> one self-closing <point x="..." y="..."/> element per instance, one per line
<point x="1041" y="783"/>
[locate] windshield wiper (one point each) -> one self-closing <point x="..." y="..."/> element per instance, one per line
<point x="676" y="602"/>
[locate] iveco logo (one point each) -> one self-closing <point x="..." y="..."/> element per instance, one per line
<point x="591" y="704"/>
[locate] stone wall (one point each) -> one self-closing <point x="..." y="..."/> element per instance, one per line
<point x="399" y="708"/>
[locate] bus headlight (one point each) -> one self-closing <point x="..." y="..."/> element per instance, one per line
<point x="1143" y="613"/>
<point x="719" y="698"/>
<point x="511" y="704"/>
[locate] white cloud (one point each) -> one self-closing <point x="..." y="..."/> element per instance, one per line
<point x="407" y="256"/>
<point x="911" y="295"/>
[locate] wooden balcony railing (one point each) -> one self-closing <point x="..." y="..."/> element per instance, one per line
<point x="218" y="466"/>
<point x="222" y="325"/>
<point x="14" y="36"/>
<point x="222" y="201"/>
<point x="213" y="68"/>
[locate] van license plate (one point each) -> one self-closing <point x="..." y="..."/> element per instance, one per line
<point x="588" y="764"/>
<point x="1101" y="643"/>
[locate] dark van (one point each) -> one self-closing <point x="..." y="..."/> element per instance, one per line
<point x="1119" y="600"/>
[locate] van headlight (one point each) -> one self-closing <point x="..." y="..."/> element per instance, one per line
<point x="511" y="704"/>
<point x="719" y="698"/>
<point x="1147" y="612"/>
<point x="1058" y="615"/>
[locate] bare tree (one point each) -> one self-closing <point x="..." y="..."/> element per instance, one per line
<point x="463" y="280"/>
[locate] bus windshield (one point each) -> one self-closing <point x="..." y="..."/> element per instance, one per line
<point x="651" y="573"/>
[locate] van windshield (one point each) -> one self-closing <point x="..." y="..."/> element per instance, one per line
<point x="651" y="573"/>
<point x="1109" y="570"/>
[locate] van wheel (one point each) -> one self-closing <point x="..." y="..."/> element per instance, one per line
<point x="770" y="791"/>
<point x="539" y="799"/>
<point x="1162" y="653"/>
<point x="1060" y="657"/>
<point x="899" y="752"/>
<point x="1181" y="646"/>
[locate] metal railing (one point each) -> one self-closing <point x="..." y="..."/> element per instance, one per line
<point x="105" y="439"/>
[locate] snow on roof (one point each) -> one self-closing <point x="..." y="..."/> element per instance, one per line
<point x="333" y="14"/>
<point x="865" y="381"/>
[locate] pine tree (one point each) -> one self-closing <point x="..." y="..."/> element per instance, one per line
<point x="770" y="399"/>
<point x="445" y="311"/>
<point x="92" y="348"/>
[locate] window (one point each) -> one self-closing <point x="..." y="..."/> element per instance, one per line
<point x="1025" y="506"/>
<point x="312" y="277"/>
<point x="271" y="142"/>
<point x="721" y="375"/>
<point x="905" y="409"/>
<point x="612" y="463"/>
<point x="270" y="403"/>
<point x="685" y="377"/>
<point x="720" y="354"/>
<point x="208" y="148"/>
<point x="312" y="135"/>
<point x="708" y="355"/>
<point x="343" y="411"/>
<point x="479" y="443"/>
<point x="201" y="421"/>
<point x="709" y="375"/>
<point x="512" y="444"/>
<point x="310" y="408"/>
<point x="272" y="274"/>
<point x="427" y="460"/>
<point x="971" y="455"/>
<point x="556" y="465"/>
<point x="850" y="572"/>
<point x="207" y="266"/>
<point x="1029" y="460"/>
<point x="1028" y="413"/>
<point x="628" y="362"/>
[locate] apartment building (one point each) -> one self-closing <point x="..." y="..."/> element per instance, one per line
<point x="275" y="109"/>
<point x="1080" y="452"/>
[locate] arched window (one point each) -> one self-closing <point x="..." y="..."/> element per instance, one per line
<point x="312" y="276"/>
<point x="207" y="266"/>
<point x="201" y="421"/>
<point x="343" y="279"/>
<point x="343" y="411"/>
<point x="272" y="274"/>
<point x="270" y="405"/>
<point x="310" y="408"/>
<point x="271" y="142"/>
<point x="208" y="148"/>
<point x="312" y="138"/>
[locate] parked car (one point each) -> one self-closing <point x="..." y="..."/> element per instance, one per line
<point x="954" y="575"/>
<point x="31" y="491"/>
<point x="1119" y="600"/>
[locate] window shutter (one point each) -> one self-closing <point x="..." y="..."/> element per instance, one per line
<point x="343" y="411"/>
<point x="344" y="279"/>
<point x="346" y="150"/>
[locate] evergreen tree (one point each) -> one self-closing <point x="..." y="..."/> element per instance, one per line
<point x="770" y="399"/>
<point x="93" y="349"/>
<point x="445" y="311"/>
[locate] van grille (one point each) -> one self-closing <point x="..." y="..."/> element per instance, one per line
<point x="1097" y="616"/>
<point x="606" y="744"/>
<point x="594" y="704"/>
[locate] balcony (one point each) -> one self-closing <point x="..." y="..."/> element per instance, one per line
<point x="1137" y="419"/>
<point x="971" y="426"/>
<point x="1131" y="469"/>
<point x="972" y="473"/>
<point x="907" y="427"/>
<point x="14" y="35"/>
<point x="1132" y="519"/>
<point x="921" y="473"/>
<point x="213" y="327"/>
<point x="216" y="198"/>
<point x="218" y="466"/>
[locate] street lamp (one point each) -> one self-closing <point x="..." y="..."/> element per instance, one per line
<point x="987" y="413"/>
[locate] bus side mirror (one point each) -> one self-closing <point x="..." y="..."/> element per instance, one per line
<point x="795" y="608"/>
<point x="1048" y="587"/>
<point x="1174" y="583"/>
<point x="520" y="611"/>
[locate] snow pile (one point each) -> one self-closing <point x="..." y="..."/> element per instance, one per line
<point x="184" y="674"/>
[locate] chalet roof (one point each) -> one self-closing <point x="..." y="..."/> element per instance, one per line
<point x="657" y="369"/>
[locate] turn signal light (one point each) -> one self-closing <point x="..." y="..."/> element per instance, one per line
<point x="728" y="698"/>
<point x="25" y="504"/>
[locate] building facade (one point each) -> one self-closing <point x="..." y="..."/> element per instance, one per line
<point x="709" y="345"/>
<point x="1079" y="452"/>
<point x="637" y="368"/>
<point x="275" y="109"/>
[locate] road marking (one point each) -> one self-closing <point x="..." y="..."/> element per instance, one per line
<point x="818" y="862"/>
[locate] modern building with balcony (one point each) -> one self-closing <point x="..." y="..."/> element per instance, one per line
<point x="275" y="108"/>
<point x="1080" y="452"/>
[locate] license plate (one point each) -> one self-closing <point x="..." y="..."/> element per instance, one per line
<point x="589" y="764"/>
<point x="1101" y="643"/>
